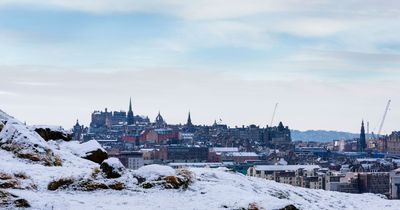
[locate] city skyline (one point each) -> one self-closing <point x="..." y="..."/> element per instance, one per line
<point x="328" y="65"/>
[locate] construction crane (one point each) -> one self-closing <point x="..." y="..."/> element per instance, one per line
<point x="273" y="115"/>
<point x="384" y="117"/>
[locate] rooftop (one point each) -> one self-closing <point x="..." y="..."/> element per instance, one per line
<point x="285" y="167"/>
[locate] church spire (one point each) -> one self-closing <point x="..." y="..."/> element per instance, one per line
<point x="130" y="103"/>
<point x="130" y="119"/>
<point x="362" y="143"/>
<point x="189" y="121"/>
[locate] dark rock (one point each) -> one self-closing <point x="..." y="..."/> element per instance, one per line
<point x="97" y="156"/>
<point x="147" y="185"/>
<point x="49" y="134"/>
<point x="22" y="203"/>
<point x="11" y="201"/>
<point x="289" y="207"/>
<point x="112" y="168"/>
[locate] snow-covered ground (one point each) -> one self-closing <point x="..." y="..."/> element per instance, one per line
<point x="210" y="189"/>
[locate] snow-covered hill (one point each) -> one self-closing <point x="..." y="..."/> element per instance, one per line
<point x="55" y="175"/>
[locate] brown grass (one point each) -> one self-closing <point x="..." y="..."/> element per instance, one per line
<point x="10" y="184"/>
<point x="5" y="176"/>
<point x="60" y="183"/>
<point x="117" y="186"/>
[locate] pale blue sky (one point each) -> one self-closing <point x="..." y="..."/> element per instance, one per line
<point x="347" y="51"/>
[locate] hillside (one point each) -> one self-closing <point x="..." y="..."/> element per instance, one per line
<point x="321" y="135"/>
<point x="58" y="174"/>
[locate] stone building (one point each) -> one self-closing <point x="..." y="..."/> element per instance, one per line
<point x="278" y="137"/>
<point x="393" y="143"/>
<point x="296" y="175"/>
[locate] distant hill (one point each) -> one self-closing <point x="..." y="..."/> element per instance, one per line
<point x="321" y="135"/>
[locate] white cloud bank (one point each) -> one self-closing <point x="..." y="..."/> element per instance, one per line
<point x="304" y="104"/>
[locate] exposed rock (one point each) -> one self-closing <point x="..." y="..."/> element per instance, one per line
<point x="112" y="168"/>
<point x="21" y="203"/>
<point x="289" y="207"/>
<point x="11" y="201"/>
<point x="182" y="179"/>
<point x="18" y="139"/>
<point x="147" y="185"/>
<point x="90" y="150"/>
<point x="84" y="184"/>
<point x="50" y="133"/>
<point x="1" y="126"/>
<point x="97" y="156"/>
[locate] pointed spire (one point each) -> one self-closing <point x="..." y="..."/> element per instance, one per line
<point x="280" y="126"/>
<point x="130" y="119"/>
<point x="189" y="120"/>
<point x="130" y="103"/>
<point x="362" y="141"/>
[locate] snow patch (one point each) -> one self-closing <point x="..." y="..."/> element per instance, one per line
<point x="153" y="172"/>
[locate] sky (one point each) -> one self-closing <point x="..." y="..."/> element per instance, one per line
<point x="328" y="64"/>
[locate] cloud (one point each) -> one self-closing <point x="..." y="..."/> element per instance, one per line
<point x="304" y="103"/>
<point x="7" y="93"/>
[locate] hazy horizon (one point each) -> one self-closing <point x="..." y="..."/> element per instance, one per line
<point x="328" y="65"/>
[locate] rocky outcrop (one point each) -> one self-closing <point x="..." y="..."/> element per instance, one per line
<point x="180" y="179"/>
<point x="84" y="184"/>
<point x="26" y="144"/>
<point x="93" y="151"/>
<point x="289" y="207"/>
<point x="11" y="201"/>
<point x="97" y="156"/>
<point x="112" y="168"/>
<point x="52" y="133"/>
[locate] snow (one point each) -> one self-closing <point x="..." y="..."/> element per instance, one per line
<point x="114" y="163"/>
<point x="51" y="127"/>
<point x="285" y="167"/>
<point x="242" y="154"/>
<point x="17" y="133"/>
<point x="153" y="172"/>
<point x="212" y="189"/>
<point x="225" y="149"/>
<point x="81" y="149"/>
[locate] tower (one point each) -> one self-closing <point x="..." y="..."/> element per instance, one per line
<point x="362" y="141"/>
<point x="189" y="121"/>
<point x="130" y="119"/>
<point x="160" y="121"/>
<point x="77" y="131"/>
